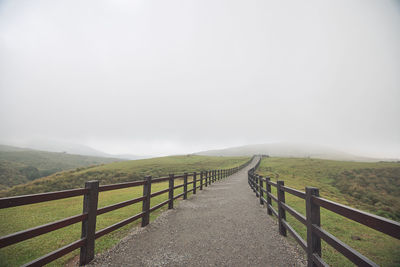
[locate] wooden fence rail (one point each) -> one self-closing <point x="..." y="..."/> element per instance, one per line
<point x="91" y="210"/>
<point x="312" y="220"/>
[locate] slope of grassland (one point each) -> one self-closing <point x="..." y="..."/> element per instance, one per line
<point x="118" y="172"/>
<point x="24" y="217"/>
<point x="19" y="166"/>
<point x="372" y="187"/>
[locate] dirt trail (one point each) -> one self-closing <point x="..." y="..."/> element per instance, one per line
<point x="223" y="225"/>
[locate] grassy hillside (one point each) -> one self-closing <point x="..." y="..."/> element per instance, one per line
<point x="287" y="150"/>
<point x="372" y="187"/>
<point x="15" y="219"/>
<point x="118" y="172"/>
<point x="19" y="166"/>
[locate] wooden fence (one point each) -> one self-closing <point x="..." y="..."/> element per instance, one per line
<point x="312" y="221"/>
<point x="91" y="211"/>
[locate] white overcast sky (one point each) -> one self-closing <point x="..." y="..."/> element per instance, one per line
<point x="165" y="77"/>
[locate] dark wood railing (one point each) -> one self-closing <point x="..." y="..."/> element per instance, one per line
<point x="90" y="210"/>
<point x="312" y="221"/>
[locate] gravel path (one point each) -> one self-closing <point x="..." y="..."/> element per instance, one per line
<point x="223" y="225"/>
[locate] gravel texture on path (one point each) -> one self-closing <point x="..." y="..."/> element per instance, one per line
<point x="222" y="225"/>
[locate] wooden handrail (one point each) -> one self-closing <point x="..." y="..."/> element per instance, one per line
<point x="312" y="219"/>
<point x="8" y="202"/>
<point x="110" y="187"/>
<point x="91" y="211"/>
<point x="119" y="205"/>
<point x="378" y="223"/>
<point x="39" y="230"/>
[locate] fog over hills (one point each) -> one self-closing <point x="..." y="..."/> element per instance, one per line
<point x="51" y="145"/>
<point x="167" y="77"/>
<point x="278" y="149"/>
<point x="288" y="150"/>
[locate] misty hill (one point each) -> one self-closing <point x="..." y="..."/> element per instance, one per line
<point x="22" y="165"/>
<point x="123" y="171"/>
<point x="59" y="146"/>
<point x="286" y="150"/>
<point x="72" y="148"/>
<point x="12" y="148"/>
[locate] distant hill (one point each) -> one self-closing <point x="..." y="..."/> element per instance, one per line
<point x="72" y="148"/>
<point x="22" y="165"/>
<point x="59" y="146"/>
<point x="287" y="150"/>
<point x="129" y="156"/>
<point x="12" y="148"/>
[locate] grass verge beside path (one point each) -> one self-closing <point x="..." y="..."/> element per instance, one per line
<point x="299" y="173"/>
<point x="24" y="217"/>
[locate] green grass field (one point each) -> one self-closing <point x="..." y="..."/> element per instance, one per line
<point x="325" y="175"/>
<point x="24" y="217"/>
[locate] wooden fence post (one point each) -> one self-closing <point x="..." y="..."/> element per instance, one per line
<point x="312" y="217"/>
<point x="256" y="185"/>
<point x="185" y="176"/>
<point x="146" y="201"/>
<point x="206" y="178"/>
<point x="249" y="178"/>
<point x="201" y="180"/>
<point x="171" y="192"/>
<point x="281" y="210"/>
<point x="194" y="182"/>
<point x="253" y="181"/>
<point x="90" y="201"/>
<point x="261" y="192"/>
<point x="269" y="200"/>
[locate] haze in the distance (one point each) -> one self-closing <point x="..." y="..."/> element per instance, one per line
<point x="172" y="77"/>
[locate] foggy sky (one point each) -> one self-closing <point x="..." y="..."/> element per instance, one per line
<point x="165" y="77"/>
